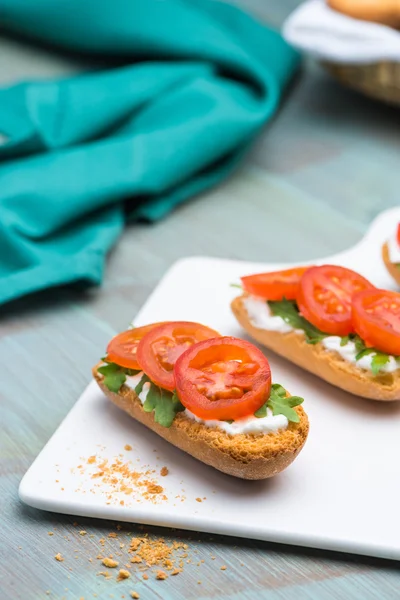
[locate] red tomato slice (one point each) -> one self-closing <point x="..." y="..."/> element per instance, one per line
<point x="162" y="346"/>
<point x="398" y="234"/>
<point x="325" y="295"/>
<point x="276" y="285"/>
<point x="123" y="347"/>
<point x="223" y="378"/>
<point x="376" y="319"/>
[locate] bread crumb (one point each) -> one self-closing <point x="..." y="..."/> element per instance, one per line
<point x="59" y="557"/>
<point x="161" y="575"/>
<point x="199" y="500"/>
<point x="145" y="576"/>
<point x="134" y="595"/>
<point x="152" y="488"/>
<point x="109" y="562"/>
<point x="112" y="534"/>
<point x="83" y="532"/>
<point x="136" y="559"/>
<point x="91" y="459"/>
<point x="123" y="574"/>
<point x="50" y="533"/>
<point x="164" y="471"/>
<point x="127" y="447"/>
<point x="105" y="574"/>
<point x="223" y="568"/>
<point x="176" y="571"/>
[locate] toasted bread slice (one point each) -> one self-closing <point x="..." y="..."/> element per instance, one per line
<point x="327" y="364"/>
<point x="246" y="456"/>
<point x="393" y="268"/>
<point x="386" y="12"/>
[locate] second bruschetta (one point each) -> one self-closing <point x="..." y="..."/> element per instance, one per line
<point x="338" y="332"/>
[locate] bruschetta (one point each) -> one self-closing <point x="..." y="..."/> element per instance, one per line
<point x="330" y="321"/>
<point x="391" y="255"/>
<point x="209" y="395"/>
<point x="386" y="12"/>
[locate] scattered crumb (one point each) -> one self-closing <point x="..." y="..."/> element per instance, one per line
<point x="176" y="571"/>
<point x="145" y="576"/>
<point x="164" y="471"/>
<point x="135" y="595"/>
<point x="161" y="575"/>
<point x="136" y="559"/>
<point x="83" y="532"/>
<point x="152" y="488"/>
<point x="50" y="533"/>
<point x="59" y="557"/>
<point x="91" y="460"/>
<point x="199" y="500"/>
<point x="199" y="583"/>
<point x="109" y="562"/>
<point x="127" y="447"/>
<point x="112" y="534"/>
<point x="223" y="568"/>
<point x="123" y="574"/>
<point x="105" y="574"/>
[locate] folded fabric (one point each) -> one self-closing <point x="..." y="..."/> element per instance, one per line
<point x="192" y="84"/>
<point x="329" y="35"/>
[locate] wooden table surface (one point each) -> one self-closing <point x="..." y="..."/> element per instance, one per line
<point x="318" y="175"/>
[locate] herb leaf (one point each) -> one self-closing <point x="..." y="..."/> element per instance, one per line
<point x="236" y="285"/>
<point x="164" y="404"/>
<point x="280" y="404"/>
<point x="288" y="311"/>
<point x="141" y="383"/>
<point x="379" y="361"/>
<point x="114" y="376"/>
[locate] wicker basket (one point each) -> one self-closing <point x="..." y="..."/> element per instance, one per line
<point x="379" y="80"/>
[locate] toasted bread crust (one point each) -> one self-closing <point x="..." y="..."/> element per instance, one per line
<point x="386" y="12"/>
<point x="392" y="268"/>
<point x="244" y="456"/>
<point x="328" y="365"/>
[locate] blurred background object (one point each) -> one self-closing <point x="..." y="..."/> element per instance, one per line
<point x="362" y="52"/>
<point x="188" y="87"/>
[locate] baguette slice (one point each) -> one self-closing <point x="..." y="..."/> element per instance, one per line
<point x="328" y="365"/>
<point x="392" y="268"/>
<point x="246" y="456"/>
<point x="386" y="12"/>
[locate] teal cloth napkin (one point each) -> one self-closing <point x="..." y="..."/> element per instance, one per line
<point x="195" y="82"/>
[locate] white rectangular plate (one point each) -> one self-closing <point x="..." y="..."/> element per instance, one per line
<point x="343" y="491"/>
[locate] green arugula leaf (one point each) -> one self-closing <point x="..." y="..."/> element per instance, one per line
<point x="141" y="383"/>
<point x="114" y="376"/>
<point x="236" y="285"/>
<point x="164" y="404"/>
<point x="288" y="311"/>
<point x="280" y="404"/>
<point x="364" y="352"/>
<point x="345" y="340"/>
<point x="379" y="361"/>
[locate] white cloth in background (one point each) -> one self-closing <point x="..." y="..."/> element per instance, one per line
<point x="326" y="34"/>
